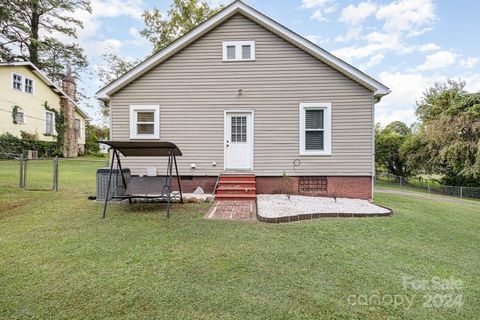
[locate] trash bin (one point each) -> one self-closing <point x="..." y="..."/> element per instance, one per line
<point x="116" y="187"/>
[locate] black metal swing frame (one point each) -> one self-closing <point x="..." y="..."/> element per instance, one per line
<point x="158" y="149"/>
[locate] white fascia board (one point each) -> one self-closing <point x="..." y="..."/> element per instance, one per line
<point x="378" y="88"/>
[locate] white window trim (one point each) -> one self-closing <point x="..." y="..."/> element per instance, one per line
<point x="25" y="86"/>
<point x="133" y="123"/>
<point x="53" y="123"/>
<point x="238" y="50"/>
<point x="327" y="138"/>
<point x="21" y="81"/>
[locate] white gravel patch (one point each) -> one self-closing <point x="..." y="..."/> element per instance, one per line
<point x="278" y="205"/>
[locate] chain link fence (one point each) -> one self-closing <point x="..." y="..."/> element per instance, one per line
<point x="43" y="174"/>
<point x="430" y="185"/>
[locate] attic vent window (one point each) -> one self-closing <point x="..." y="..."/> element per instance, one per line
<point x="238" y="50"/>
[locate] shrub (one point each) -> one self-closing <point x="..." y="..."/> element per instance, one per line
<point x="11" y="144"/>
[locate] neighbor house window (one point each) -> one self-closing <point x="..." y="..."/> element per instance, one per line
<point x="238" y="50"/>
<point x="78" y="128"/>
<point x="28" y="85"/>
<point x="17" y="81"/>
<point x="144" y="122"/>
<point x="20" y="117"/>
<point x="315" y="128"/>
<point x="49" y="122"/>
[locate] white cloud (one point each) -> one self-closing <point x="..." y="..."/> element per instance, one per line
<point x="307" y="4"/>
<point x="321" y="7"/>
<point x="317" y="39"/>
<point x="399" y="20"/>
<point x="428" y="47"/>
<point x="407" y="15"/>
<point x="355" y="15"/>
<point x="469" y="63"/>
<point x="374" y="61"/>
<point x="438" y="60"/>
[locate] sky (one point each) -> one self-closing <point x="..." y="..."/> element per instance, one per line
<point x="408" y="45"/>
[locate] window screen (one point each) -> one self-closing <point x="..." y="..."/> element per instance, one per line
<point x="231" y="52"/>
<point x="246" y="52"/>
<point x="49" y="123"/>
<point x="314" y="129"/>
<point x="239" y="129"/>
<point x="145" y="122"/>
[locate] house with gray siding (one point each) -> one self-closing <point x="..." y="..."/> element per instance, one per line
<point x="242" y="94"/>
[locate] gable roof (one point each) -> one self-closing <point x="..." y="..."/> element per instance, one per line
<point x="45" y="80"/>
<point x="238" y="6"/>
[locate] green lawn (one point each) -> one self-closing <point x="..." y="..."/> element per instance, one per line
<point x="59" y="260"/>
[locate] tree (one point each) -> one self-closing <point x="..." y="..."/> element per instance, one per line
<point x="94" y="133"/>
<point x="440" y="99"/>
<point x="448" y="142"/>
<point x="35" y="30"/>
<point x="183" y="16"/>
<point x="389" y="154"/>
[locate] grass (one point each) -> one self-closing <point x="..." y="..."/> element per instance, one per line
<point x="59" y="260"/>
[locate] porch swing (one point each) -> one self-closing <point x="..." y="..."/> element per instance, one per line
<point x="155" y="188"/>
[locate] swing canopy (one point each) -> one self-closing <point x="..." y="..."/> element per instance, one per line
<point x="142" y="186"/>
<point x="144" y="148"/>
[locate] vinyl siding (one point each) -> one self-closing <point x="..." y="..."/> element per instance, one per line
<point x="194" y="87"/>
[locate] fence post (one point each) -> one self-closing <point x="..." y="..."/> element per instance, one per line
<point x="461" y="192"/>
<point x="55" y="174"/>
<point x="428" y="189"/>
<point x="20" y="183"/>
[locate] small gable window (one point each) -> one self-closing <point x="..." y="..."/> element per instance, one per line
<point x="17" y="81"/>
<point x="145" y="122"/>
<point x="28" y="85"/>
<point x="238" y="50"/>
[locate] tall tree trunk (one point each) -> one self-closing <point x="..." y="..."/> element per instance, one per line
<point x="33" y="45"/>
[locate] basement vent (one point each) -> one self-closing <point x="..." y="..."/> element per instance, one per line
<point x="313" y="184"/>
<point x="186" y="178"/>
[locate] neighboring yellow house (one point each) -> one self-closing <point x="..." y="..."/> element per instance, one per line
<point x="24" y="92"/>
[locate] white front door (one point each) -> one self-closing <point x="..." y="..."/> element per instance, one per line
<point x="238" y="140"/>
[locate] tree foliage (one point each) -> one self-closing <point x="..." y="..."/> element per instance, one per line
<point x="94" y="133"/>
<point x="449" y="140"/>
<point x="183" y="16"/>
<point x="445" y="142"/>
<point x="36" y="30"/>
<point x="389" y="154"/>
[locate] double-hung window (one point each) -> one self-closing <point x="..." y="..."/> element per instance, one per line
<point x="49" y="123"/>
<point x="315" y="129"/>
<point x="78" y="128"/>
<point x="17" y="81"/>
<point x="144" y="122"/>
<point x="28" y="85"/>
<point x="238" y="50"/>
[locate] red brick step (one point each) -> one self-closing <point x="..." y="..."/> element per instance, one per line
<point x="236" y="187"/>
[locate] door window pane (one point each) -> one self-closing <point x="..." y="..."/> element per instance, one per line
<point x="239" y="129"/>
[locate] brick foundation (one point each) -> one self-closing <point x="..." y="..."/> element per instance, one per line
<point x="343" y="187"/>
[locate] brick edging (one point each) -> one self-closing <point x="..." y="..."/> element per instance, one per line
<point x="310" y="216"/>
